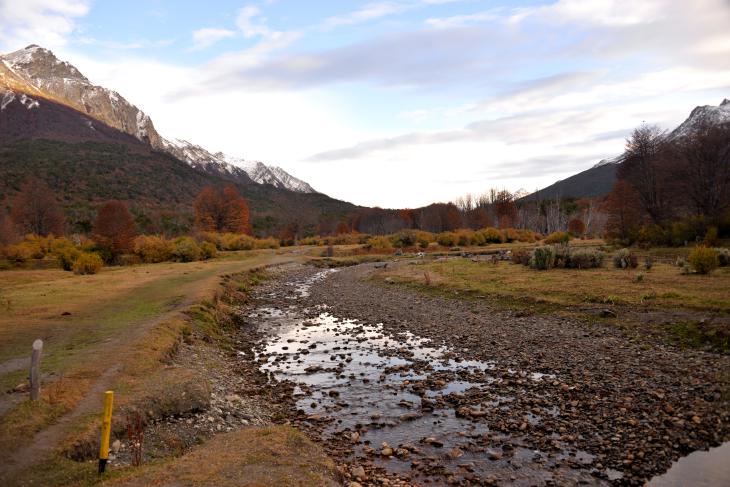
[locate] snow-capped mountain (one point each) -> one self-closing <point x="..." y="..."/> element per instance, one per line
<point x="714" y="115"/>
<point x="37" y="71"/>
<point x="221" y="163"/>
<point x="610" y="161"/>
<point x="30" y="75"/>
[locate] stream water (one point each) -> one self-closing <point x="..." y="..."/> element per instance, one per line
<point x="391" y="397"/>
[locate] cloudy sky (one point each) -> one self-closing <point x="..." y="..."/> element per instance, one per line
<point x="397" y="103"/>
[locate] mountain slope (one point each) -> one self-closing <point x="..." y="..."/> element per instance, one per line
<point x="87" y="161"/>
<point x="599" y="179"/>
<point x="35" y="71"/>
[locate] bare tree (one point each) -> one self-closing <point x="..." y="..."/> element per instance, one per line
<point x="702" y="168"/>
<point x="642" y="168"/>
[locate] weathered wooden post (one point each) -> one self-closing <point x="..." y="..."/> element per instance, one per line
<point x="35" y="370"/>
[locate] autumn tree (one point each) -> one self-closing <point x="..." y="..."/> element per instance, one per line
<point x="577" y="227"/>
<point x="342" y="228"/>
<point x="505" y="209"/>
<point x="623" y="208"/>
<point x="35" y="210"/>
<point x="114" y="229"/>
<point x="222" y="211"/>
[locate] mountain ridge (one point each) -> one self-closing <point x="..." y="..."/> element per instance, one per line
<point x="36" y="71"/>
<point x="598" y="180"/>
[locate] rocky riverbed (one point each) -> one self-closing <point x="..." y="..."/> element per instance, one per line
<point x="408" y="389"/>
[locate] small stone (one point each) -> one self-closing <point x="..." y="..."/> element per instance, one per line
<point x="494" y="454"/>
<point x="455" y="452"/>
<point x="358" y="472"/>
<point x="387" y="452"/>
<point x="696" y="419"/>
<point x="116" y="446"/>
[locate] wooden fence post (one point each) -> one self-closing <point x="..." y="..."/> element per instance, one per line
<point x="35" y="370"/>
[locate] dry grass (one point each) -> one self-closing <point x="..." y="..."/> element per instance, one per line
<point x="662" y="287"/>
<point x="129" y="317"/>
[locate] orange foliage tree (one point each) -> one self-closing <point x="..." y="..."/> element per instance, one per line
<point x="222" y="211"/>
<point x="35" y="210"/>
<point x="577" y="227"/>
<point x="114" y="228"/>
<point x="623" y="207"/>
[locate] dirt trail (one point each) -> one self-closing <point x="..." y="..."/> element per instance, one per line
<point x="45" y="442"/>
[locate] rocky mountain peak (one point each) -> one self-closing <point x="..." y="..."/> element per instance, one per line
<point x="38" y="65"/>
<point x="37" y="71"/>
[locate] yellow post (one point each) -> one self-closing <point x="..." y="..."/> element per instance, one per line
<point x="106" y="429"/>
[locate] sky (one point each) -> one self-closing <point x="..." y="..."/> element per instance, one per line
<point x="397" y="103"/>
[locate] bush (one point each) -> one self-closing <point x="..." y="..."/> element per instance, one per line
<point x="152" y="249"/>
<point x="18" y="253"/>
<point x="491" y="235"/>
<point x="711" y="237"/>
<point x="703" y="259"/>
<point x="87" y="263"/>
<point x="510" y="235"/>
<point x="379" y="243"/>
<point x="723" y="256"/>
<point x="586" y="259"/>
<point x="625" y="259"/>
<point x="66" y="256"/>
<point x="186" y="250"/>
<point x="529" y="236"/>
<point x="521" y="256"/>
<point x="543" y="258"/>
<point x="447" y="239"/>
<point x="267" y="243"/>
<point x="208" y="250"/>
<point x="557" y="238"/>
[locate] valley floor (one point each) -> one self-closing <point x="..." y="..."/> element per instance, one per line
<point x="360" y="375"/>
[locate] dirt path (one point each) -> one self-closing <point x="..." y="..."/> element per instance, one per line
<point x="580" y="396"/>
<point x="119" y="347"/>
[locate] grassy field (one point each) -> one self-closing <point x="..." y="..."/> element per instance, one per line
<point x="662" y="286"/>
<point x="109" y="330"/>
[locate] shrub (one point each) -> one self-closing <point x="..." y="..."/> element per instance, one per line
<point x="266" y="243"/>
<point x="491" y="235"/>
<point x="208" y="250"/>
<point x="521" y="256"/>
<point x="711" y="237"/>
<point x="509" y="235"/>
<point x="152" y="249"/>
<point x="624" y="259"/>
<point x="543" y="258"/>
<point x="557" y="238"/>
<point x="703" y="259"/>
<point x="723" y="256"/>
<point x="186" y="250"/>
<point x="529" y="236"/>
<point x="87" y="263"/>
<point x="586" y="259"/>
<point x="447" y="239"/>
<point x="562" y="256"/>
<point x="17" y="253"/>
<point x="379" y="243"/>
<point x="66" y="256"/>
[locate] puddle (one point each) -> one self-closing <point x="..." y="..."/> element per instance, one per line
<point x="700" y="469"/>
<point x="353" y="377"/>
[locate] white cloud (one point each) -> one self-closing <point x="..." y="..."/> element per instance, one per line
<point x="370" y="11"/>
<point x="250" y="23"/>
<point x="206" y="37"/>
<point x="44" y="22"/>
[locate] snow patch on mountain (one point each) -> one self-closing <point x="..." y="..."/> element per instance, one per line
<point x="256" y="171"/>
<point x="714" y="115"/>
